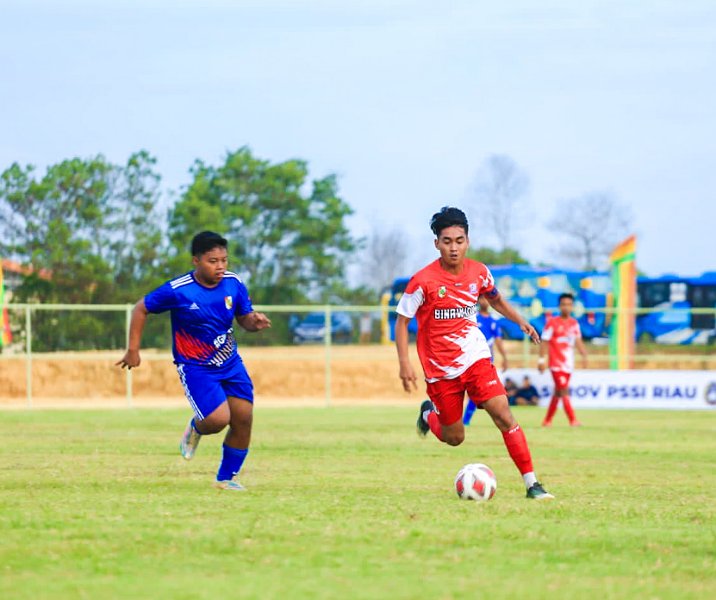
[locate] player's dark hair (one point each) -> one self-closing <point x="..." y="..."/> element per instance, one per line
<point x="448" y="216"/>
<point x="205" y="241"/>
<point x="567" y="295"/>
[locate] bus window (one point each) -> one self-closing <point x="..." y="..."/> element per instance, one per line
<point x="702" y="296"/>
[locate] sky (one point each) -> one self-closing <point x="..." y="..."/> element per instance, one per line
<point x="403" y="100"/>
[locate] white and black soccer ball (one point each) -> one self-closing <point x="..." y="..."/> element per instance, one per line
<point x="476" y="482"/>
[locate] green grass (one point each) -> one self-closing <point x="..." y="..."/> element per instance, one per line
<point x="349" y="503"/>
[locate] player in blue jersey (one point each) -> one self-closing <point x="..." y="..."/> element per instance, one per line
<point x="493" y="334"/>
<point x="203" y="305"/>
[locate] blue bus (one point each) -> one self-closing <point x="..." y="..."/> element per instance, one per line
<point x="674" y="297"/>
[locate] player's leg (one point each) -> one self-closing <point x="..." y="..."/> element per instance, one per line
<point x="442" y="414"/>
<point x="516" y="444"/>
<point x="485" y="388"/>
<point x="236" y="443"/>
<point x="240" y="396"/>
<point x="566" y="400"/>
<point x="470" y="408"/>
<point x="208" y="401"/>
<point x="554" y="402"/>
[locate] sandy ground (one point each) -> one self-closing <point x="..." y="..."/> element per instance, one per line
<point x="281" y="375"/>
<point x="286" y="375"/>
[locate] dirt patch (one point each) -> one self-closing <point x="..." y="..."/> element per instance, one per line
<point x="281" y="375"/>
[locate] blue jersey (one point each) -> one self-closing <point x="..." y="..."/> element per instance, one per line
<point x="489" y="327"/>
<point x="202" y="317"/>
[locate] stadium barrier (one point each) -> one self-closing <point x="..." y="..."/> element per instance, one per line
<point x="96" y="345"/>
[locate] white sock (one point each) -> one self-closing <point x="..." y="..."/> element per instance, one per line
<point x="530" y="479"/>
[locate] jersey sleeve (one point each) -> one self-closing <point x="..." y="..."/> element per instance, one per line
<point x="162" y="299"/>
<point x="487" y="284"/>
<point x="412" y="299"/>
<point x="547" y="332"/>
<point x="577" y="330"/>
<point x="243" y="301"/>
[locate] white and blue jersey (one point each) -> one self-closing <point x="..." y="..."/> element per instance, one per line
<point x="204" y="345"/>
<point x="202" y="317"/>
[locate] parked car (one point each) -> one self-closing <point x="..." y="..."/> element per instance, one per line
<point x="313" y="328"/>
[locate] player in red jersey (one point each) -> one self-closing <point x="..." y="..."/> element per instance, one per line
<point x="453" y="351"/>
<point x="563" y="334"/>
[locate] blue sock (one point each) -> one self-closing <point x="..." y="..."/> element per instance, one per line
<point x="231" y="462"/>
<point x="469" y="411"/>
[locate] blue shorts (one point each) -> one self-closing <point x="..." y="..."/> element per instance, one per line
<point x="207" y="387"/>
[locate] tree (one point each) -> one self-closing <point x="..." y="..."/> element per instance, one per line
<point x="500" y="198"/>
<point x="87" y="232"/>
<point x="291" y="244"/>
<point x="506" y="256"/>
<point x="593" y="224"/>
<point x="384" y="257"/>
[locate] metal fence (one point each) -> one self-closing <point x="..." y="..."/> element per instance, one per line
<point x="116" y="317"/>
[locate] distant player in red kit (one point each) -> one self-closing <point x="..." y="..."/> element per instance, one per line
<point x="562" y="334"/>
<point x="453" y="351"/>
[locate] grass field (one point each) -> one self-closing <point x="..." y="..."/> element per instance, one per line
<point x="349" y="503"/>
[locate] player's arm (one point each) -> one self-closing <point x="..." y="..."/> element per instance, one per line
<point x="131" y="357"/>
<point x="507" y="310"/>
<point x="501" y="349"/>
<point x="253" y="321"/>
<point x="542" y="359"/>
<point x="407" y="374"/>
<point x="581" y="348"/>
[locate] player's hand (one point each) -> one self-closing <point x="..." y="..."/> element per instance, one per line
<point x="130" y="359"/>
<point x="407" y="376"/>
<point x="530" y="331"/>
<point x="541" y="367"/>
<point x="261" y="321"/>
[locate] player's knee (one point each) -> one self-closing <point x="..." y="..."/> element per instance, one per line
<point x="504" y="420"/>
<point x="214" y="423"/>
<point x="454" y="438"/>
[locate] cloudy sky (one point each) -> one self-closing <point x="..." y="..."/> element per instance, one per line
<point x="402" y="99"/>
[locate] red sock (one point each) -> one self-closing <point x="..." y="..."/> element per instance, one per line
<point x="551" y="409"/>
<point x="516" y="443"/>
<point x="434" y="424"/>
<point x="568" y="409"/>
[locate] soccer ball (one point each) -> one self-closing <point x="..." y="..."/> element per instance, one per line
<point x="476" y="482"/>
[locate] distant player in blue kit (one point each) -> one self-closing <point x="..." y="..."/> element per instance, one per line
<point x="493" y="334"/>
<point x="203" y="305"/>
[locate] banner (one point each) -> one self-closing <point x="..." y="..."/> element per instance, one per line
<point x="628" y="389"/>
<point x="622" y="331"/>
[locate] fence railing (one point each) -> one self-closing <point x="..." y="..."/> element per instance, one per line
<point x="23" y="317"/>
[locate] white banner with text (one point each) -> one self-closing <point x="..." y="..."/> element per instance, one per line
<point x="627" y="389"/>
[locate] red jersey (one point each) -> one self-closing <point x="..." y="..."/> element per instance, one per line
<point x="449" y="340"/>
<point x="561" y="334"/>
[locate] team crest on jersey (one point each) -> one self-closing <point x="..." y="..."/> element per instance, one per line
<point x="442" y="290"/>
<point x="229" y="302"/>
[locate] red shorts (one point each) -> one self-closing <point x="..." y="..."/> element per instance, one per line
<point x="561" y="380"/>
<point x="480" y="382"/>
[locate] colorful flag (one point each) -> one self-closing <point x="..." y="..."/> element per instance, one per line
<point x="5" y="337"/>
<point x="621" y="334"/>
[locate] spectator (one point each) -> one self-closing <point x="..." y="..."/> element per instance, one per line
<point x="527" y="395"/>
<point x="511" y="389"/>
